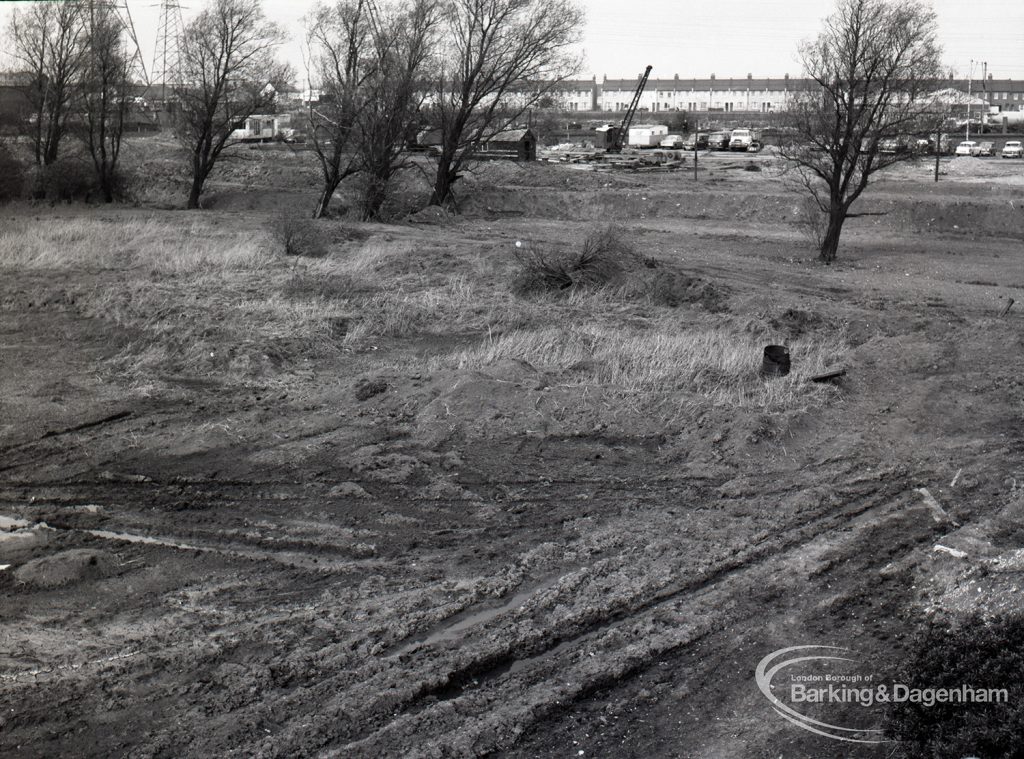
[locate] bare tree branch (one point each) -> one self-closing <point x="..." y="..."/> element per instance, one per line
<point x="105" y="95"/>
<point x="48" y="41"/>
<point x="502" y="57"/>
<point x="228" y="61"/>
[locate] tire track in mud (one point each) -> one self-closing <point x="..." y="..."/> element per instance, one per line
<point x="517" y="659"/>
<point x="503" y="664"/>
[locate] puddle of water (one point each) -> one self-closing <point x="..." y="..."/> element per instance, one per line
<point x="31" y="534"/>
<point x="128" y="537"/>
<point x="10" y="523"/>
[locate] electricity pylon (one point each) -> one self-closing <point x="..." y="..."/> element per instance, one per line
<point x="167" y="61"/>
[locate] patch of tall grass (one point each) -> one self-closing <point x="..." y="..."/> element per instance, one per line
<point x="718" y="364"/>
<point x="76" y="243"/>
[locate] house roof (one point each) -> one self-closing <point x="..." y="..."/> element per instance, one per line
<point x="16" y="78"/>
<point x="685" y="85"/>
<point x="510" y="135"/>
<point x="954" y="96"/>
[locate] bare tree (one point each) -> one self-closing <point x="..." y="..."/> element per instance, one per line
<point x="105" y="94"/>
<point x="503" y="57"/>
<point x="387" y="121"/>
<point x="227" y="63"/>
<point x="48" y="41"/>
<point x="339" y="37"/>
<point x="874" y="66"/>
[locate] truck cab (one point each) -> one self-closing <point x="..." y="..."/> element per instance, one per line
<point x="742" y="139"/>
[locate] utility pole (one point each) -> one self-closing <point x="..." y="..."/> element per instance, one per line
<point x="696" y="139"/>
<point x="970" y="78"/>
<point x="984" y="90"/>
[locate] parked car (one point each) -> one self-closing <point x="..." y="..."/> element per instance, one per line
<point x="672" y="141"/>
<point x="1013" y="149"/>
<point x="986" y="149"/>
<point x="967" y="147"/>
<point x="696" y="142"/>
<point x="719" y="140"/>
<point x="892" y="145"/>
<point x="755" y="147"/>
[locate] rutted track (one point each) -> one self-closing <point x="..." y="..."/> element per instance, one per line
<point x="574" y="623"/>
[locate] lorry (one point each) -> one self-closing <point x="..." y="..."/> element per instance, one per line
<point x="742" y="139"/>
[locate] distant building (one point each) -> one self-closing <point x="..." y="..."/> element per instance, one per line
<point x="264" y="127"/>
<point x="514" y="144"/>
<point x="577" y="94"/>
<point x="15" y="105"/>
<point x="746" y="95"/>
<point x="1000" y="94"/>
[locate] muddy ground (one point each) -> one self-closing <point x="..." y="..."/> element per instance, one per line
<point x="361" y="556"/>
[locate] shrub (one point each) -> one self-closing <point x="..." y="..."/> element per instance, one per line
<point x="12" y="176"/>
<point x="978" y="653"/>
<point x="812" y="221"/>
<point x="298" y="237"/>
<point x="601" y="259"/>
<point x="68" y="179"/>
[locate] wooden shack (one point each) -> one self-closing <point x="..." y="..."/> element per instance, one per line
<point x="512" y="144"/>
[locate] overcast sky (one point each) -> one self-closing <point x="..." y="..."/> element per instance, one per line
<point x="728" y="38"/>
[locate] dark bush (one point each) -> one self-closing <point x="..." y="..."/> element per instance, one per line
<point x="68" y="179"/>
<point x="12" y="176"/>
<point x="601" y="259"/>
<point x="975" y="652"/>
<point x="298" y="236"/>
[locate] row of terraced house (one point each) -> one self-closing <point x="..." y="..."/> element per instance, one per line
<point x="746" y="94"/>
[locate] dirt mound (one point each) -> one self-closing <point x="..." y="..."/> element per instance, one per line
<point x="65" y="567"/>
<point x="795" y="322"/>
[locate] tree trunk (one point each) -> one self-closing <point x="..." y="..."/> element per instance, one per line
<point x="374" y="196"/>
<point x="51" y="151"/>
<point x="107" y="187"/>
<point x="830" y="243"/>
<point x="445" y="177"/>
<point x="442" y="187"/>
<point x="326" y="194"/>
<point x="195" y="192"/>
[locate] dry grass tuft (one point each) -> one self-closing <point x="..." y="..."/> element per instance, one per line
<point x="298" y="236"/>
<point x="76" y="243"/>
<point x="720" y="365"/>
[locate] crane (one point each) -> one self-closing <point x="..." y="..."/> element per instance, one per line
<point x="627" y="119"/>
